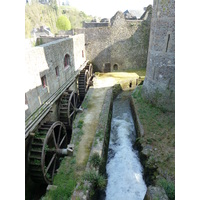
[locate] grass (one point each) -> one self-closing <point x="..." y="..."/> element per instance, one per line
<point x="80" y="124"/>
<point x="95" y="160"/>
<point x="169" y="188"/>
<point x="159" y="133"/>
<point x="97" y="180"/>
<point x="69" y="172"/>
<point x="65" y="180"/>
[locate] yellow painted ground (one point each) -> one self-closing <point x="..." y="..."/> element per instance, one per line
<point x="112" y="78"/>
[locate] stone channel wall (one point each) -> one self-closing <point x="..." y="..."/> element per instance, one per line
<point x="159" y="83"/>
<point x="153" y="192"/>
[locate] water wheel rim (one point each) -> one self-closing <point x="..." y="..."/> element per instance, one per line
<point x="72" y="103"/>
<point x="86" y="80"/>
<point x="90" y="70"/>
<point x="58" y="144"/>
<point x="83" y="83"/>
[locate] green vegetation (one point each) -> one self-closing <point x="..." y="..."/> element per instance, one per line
<point x="63" y="23"/>
<point x="38" y="14"/>
<point x="158" y="141"/>
<point x="97" y="180"/>
<point x="75" y="16"/>
<point x="95" y="160"/>
<point x="169" y="188"/>
<point x="70" y="172"/>
<point x="65" y="180"/>
<point x="80" y="124"/>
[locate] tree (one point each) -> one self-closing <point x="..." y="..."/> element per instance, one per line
<point x="63" y="23"/>
<point x="53" y="4"/>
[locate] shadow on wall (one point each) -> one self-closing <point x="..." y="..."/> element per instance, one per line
<point x="126" y="54"/>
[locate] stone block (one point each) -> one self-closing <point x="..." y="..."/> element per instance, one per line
<point x="155" y="193"/>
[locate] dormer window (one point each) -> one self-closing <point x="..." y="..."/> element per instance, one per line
<point x="66" y="61"/>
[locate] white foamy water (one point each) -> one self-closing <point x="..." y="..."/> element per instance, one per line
<point x="125" y="181"/>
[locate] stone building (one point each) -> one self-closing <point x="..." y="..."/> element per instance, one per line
<point x="120" y="45"/>
<point x="115" y="45"/>
<point x="159" y="83"/>
<point x="49" y="67"/>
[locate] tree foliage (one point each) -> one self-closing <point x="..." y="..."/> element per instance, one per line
<point x="37" y="14"/>
<point x="63" y="23"/>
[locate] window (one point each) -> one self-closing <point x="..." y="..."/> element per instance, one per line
<point x="167" y="42"/>
<point x="82" y="54"/>
<point x="44" y="81"/>
<point x="57" y="71"/>
<point x="67" y="61"/>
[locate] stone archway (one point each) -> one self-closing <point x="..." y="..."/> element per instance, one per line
<point x="115" y="66"/>
<point x="107" y="67"/>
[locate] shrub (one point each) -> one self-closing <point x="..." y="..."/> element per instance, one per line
<point x="97" y="180"/>
<point x="63" y="23"/>
<point x="95" y="160"/>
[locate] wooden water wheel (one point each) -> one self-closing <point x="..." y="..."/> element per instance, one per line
<point x="49" y="144"/>
<point x="68" y="107"/>
<point x="83" y="83"/>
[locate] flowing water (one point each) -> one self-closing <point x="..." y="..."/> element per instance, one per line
<point x="125" y="178"/>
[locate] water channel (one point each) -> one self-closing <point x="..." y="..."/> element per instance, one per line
<point x="124" y="170"/>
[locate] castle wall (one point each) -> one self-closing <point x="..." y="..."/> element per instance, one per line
<point x="121" y="42"/>
<point x="43" y="60"/>
<point x="46" y="39"/>
<point x="95" y="24"/>
<point x="159" y="83"/>
<point x="124" y="42"/>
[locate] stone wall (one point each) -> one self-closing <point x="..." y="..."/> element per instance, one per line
<point x="124" y="43"/>
<point x="159" y="83"/>
<point x="46" y="39"/>
<point x="42" y="61"/>
<point x="95" y="24"/>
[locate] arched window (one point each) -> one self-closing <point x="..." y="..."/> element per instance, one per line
<point x="67" y="61"/>
<point x="115" y="67"/>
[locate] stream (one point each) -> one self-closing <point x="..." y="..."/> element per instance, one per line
<point x="124" y="170"/>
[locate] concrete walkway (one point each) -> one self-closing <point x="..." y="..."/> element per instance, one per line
<point x="91" y="116"/>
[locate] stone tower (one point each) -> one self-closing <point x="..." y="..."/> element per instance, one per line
<point x="159" y="83"/>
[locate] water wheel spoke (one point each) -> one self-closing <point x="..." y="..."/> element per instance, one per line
<point x="54" y="139"/>
<point x="74" y="101"/>
<point x="54" y="165"/>
<point x="72" y="105"/>
<point x="71" y="114"/>
<point x="62" y="140"/>
<point x="49" y="165"/>
<point x="59" y="135"/>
